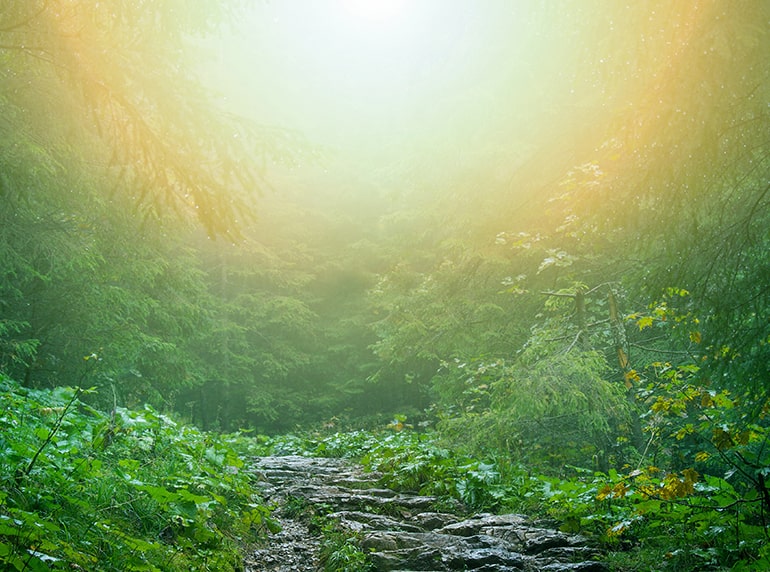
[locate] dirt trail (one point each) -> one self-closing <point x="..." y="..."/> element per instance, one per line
<point x="402" y="532"/>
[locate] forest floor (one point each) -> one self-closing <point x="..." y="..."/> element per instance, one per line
<point x="321" y="501"/>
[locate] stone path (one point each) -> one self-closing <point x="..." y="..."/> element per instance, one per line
<point x="402" y="532"/>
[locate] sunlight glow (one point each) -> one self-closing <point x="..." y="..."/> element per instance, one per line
<point x="379" y="76"/>
<point x="352" y="68"/>
<point x="378" y="11"/>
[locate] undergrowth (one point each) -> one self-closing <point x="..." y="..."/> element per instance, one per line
<point x="645" y="519"/>
<point x="136" y="490"/>
<point x="340" y="551"/>
<point x="130" y="490"/>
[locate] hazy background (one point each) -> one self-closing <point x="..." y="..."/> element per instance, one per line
<point x="407" y="99"/>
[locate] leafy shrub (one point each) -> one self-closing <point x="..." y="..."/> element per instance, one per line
<point x="133" y="490"/>
<point x="340" y="552"/>
<point x="547" y="411"/>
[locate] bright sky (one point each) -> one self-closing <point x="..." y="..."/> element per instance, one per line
<point x="379" y="12"/>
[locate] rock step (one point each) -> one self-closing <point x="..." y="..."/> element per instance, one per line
<point x="401" y="533"/>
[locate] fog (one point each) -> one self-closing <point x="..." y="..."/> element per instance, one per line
<point x="406" y="97"/>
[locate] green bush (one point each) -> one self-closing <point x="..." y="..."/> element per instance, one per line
<point x="132" y="490"/>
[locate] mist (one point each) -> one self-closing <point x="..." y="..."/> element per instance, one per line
<point x="410" y="102"/>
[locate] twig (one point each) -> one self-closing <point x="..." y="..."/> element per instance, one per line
<point x="667" y="352"/>
<point x="575" y="341"/>
<point x="52" y="432"/>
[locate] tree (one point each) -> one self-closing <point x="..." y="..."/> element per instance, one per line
<point x="108" y="145"/>
<point x="110" y="84"/>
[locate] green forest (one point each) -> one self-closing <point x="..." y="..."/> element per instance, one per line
<point x="513" y="253"/>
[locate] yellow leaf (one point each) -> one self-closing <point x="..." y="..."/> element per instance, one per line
<point x="620" y="490"/>
<point x="632" y="375"/>
<point x="644" y="322"/>
<point x="695" y="337"/>
<point x="604" y="492"/>
<point x="690" y="477"/>
<point x="684" y="431"/>
<point x="661" y="404"/>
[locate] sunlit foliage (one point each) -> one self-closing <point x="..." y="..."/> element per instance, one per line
<point x="111" y="85"/>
